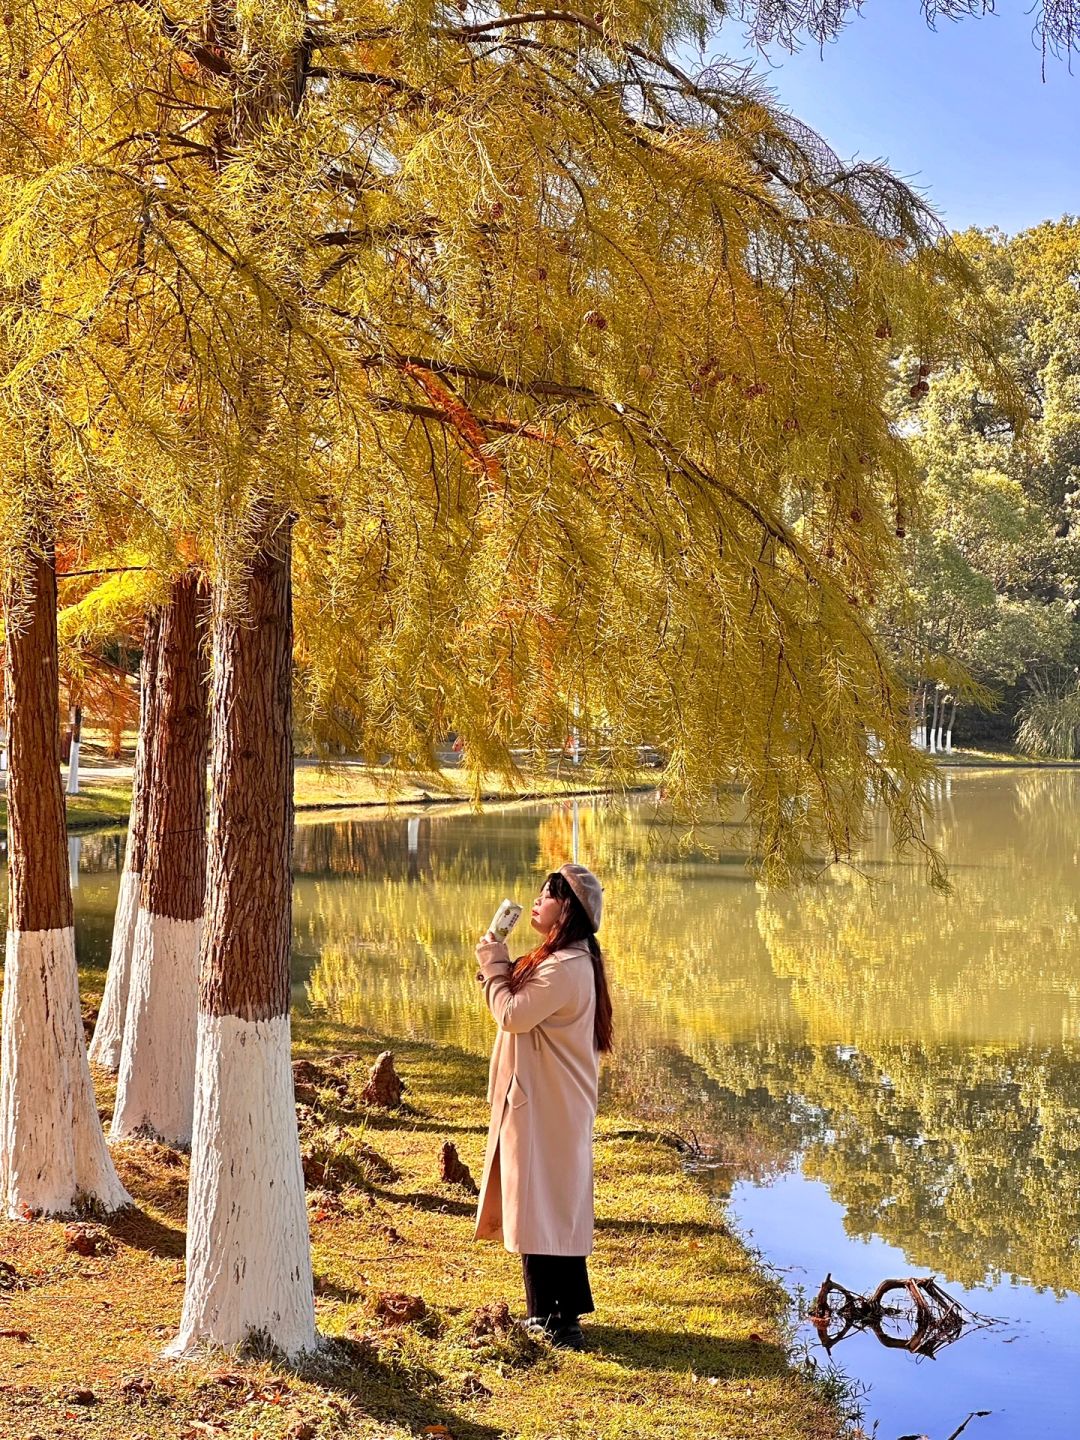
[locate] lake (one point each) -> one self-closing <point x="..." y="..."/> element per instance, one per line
<point x="889" y="1078"/>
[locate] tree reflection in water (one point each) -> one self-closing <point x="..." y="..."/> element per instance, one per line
<point x="919" y="1054"/>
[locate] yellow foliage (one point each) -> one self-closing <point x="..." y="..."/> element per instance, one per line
<point x="569" y="366"/>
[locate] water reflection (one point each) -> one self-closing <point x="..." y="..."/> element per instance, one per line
<point x="908" y="1061"/>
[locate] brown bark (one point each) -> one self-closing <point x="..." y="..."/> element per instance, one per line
<point x="247" y="936"/>
<point x="174" y="870"/>
<point x="39" y="890"/>
<point x="141" y="781"/>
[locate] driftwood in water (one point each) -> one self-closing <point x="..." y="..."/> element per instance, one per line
<point x="932" y="1317"/>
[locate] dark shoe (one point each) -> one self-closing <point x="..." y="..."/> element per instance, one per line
<point x="540" y="1327"/>
<point x="568" y="1337"/>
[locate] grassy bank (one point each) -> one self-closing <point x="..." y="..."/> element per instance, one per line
<point x="1001" y="760"/>
<point x="105" y="799"/>
<point x="685" y="1343"/>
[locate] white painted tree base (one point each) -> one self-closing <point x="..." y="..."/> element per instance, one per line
<point x="53" y="1156"/>
<point x="155" y="1094"/>
<point x="73" y="769"/>
<point x="108" y="1041"/>
<point x="249" y="1251"/>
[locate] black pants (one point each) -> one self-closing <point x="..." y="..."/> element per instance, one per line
<point x="557" y="1285"/>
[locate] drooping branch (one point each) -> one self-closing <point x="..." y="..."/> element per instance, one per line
<point x="1056" y="22"/>
<point x="207" y="57"/>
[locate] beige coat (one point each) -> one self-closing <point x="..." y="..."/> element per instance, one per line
<point x="537" y="1191"/>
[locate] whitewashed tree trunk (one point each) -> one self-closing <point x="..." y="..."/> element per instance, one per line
<point x="932" y="732"/>
<point x="249" y="1262"/>
<point x="949" y="732"/>
<point x="107" y="1043"/>
<point x="921" y="726"/>
<point x="53" y="1156"/>
<point x="73" y="750"/>
<point x="155" y="1093"/>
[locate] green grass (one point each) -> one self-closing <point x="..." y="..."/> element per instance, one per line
<point x="686" y="1341"/>
<point x="99" y="804"/>
<point x="107" y="800"/>
<point x="1002" y="759"/>
<point x="342" y="786"/>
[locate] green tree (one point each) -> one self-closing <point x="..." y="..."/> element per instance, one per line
<point x="993" y="559"/>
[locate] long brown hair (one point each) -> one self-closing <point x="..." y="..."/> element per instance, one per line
<point x="572" y="928"/>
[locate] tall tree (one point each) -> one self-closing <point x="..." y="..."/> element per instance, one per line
<point x="156" y="1086"/>
<point x="249" y="1265"/>
<point x="53" y="1157"/>
<point x="107" y="1043"/>
<point x="992" y="562"/>
<point x="570" y="367"/>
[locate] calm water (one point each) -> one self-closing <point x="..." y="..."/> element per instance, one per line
<point x="893" y="1078"/>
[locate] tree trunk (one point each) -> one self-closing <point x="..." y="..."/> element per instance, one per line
<point x="156" y="1089"/>
<point x="952" y="722"/>
<point x="106" y="1046"/>
<point x="249" y="1261"/>
<point x="74" y="742"/>
<point x="53" y="1157"/>
<point x="933" y="733"/>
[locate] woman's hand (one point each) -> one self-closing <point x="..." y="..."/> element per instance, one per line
<point x="492" y="951"/>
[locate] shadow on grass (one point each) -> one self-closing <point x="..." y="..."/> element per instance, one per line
<point x="141" y="1231"/>
<point x="330" y="1290"/>
<point x="414" y="1120"/>
<point x="425" y="1201"/>
<point x="683" y="1350"/>
<point x="392" y="1393"/>
<point x="677" y="1229"/>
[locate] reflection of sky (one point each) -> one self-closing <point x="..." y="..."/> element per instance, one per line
<point x="1027" y="1374"/>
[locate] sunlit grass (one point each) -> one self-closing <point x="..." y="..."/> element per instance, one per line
<point x="686" y="1340"/>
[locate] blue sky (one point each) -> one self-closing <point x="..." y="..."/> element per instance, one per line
<point x="962" y="111"/>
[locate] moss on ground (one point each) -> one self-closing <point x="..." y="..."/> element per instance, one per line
<point x="686" y="1341"/>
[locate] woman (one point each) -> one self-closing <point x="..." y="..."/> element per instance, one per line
<point x="553" y="1011"/>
